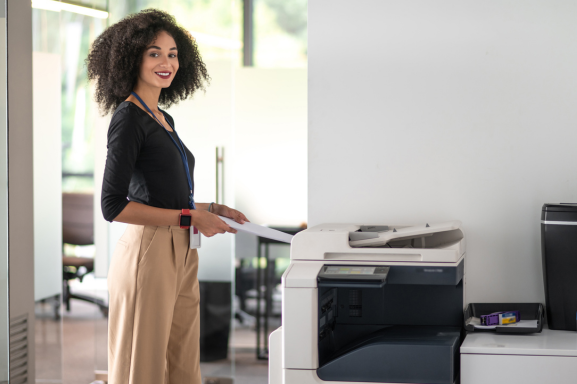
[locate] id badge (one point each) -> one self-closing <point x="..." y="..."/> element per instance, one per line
<point x="194" y="238"/>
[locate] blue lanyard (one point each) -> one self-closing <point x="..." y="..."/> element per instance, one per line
<point x="180" y="148"/>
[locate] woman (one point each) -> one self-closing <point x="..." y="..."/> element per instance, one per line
<point x="142" y="61"/>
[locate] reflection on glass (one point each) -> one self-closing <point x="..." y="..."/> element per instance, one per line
<point x="4" y="346"/>
<point x="47" y="186"/>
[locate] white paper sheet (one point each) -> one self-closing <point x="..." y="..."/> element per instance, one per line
<point x="259" y="230"/>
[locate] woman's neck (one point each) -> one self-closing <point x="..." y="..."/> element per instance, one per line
<point x="149" y="95"/>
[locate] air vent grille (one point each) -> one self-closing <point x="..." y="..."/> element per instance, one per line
<point x="355" y="303"/>
<point x="19" y="350"/>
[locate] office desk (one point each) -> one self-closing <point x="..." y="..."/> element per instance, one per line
<point x="546" y="357"/>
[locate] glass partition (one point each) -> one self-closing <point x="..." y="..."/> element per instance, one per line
<point x="63" y="162"/>
<point x="248" y="135"/>
<point x="280" y="33"/>
<point x="46" y="85"/>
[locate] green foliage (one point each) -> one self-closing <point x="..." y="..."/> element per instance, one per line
<point x="291" y="16"/>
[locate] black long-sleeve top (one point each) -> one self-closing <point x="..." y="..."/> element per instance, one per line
<point x="143" y="164"/>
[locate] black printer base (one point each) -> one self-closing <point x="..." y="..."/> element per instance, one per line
<point x="399" y="354"/>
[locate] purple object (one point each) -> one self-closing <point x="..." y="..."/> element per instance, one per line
<point x="501" y="318"/>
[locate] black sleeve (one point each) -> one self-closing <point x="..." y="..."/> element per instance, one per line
<point x="125" y="139"/>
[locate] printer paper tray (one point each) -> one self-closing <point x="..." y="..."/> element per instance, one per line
<point x="399" y="354"/>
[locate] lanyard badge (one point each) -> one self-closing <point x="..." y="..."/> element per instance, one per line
<point x="194" y="238"/>
<point x="194" y="233"/>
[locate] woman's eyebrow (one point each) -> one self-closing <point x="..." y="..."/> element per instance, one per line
<point x="156" y="47"/>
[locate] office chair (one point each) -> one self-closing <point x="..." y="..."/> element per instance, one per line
<point x="78" y="229"/>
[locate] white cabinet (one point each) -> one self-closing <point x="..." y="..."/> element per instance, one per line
<point x="547" y="357"/>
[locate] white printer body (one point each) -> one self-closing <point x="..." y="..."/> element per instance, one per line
<point x="371" y="304"/>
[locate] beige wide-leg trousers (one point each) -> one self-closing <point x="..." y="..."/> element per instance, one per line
<point x="153" y="323"/>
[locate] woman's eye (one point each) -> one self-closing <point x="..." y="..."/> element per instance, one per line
<point x="172" y="55"/>
<point x="154" y="54"/>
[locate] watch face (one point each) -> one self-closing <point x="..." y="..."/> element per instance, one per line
<point x="185" y="220"/>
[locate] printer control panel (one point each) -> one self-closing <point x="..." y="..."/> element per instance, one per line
<point x="353" y="272"/>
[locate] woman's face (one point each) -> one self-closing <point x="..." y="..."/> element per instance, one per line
<point x="160" y="62"/>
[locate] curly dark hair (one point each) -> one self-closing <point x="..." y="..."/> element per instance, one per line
<point x="115" y="57"/>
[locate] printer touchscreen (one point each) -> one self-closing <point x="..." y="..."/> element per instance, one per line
<point x="353" y="272"/>
<point x="350" y="270"/>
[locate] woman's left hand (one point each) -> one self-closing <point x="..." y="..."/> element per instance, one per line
<point x="223" y="210"/>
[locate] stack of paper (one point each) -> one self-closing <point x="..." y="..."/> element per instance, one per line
<point x="259" y="230"/>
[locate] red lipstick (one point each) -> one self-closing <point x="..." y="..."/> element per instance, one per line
<point x="164" y="75"/>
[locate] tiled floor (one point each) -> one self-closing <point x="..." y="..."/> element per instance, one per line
<point x="70" y="350"/>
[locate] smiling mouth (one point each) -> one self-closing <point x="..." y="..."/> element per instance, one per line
<point x="164" y="75"/>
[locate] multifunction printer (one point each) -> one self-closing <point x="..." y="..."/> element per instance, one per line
<point x="380" y="304"/>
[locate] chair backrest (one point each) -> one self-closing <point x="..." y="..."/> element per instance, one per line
<point x="78" y="218"/>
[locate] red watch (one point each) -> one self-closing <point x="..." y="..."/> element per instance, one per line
<point x="185" y="219"/>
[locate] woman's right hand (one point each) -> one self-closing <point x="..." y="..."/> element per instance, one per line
<point x="208" y="223"/>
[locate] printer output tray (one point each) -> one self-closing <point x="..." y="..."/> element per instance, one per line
<point x="399" y="354"/>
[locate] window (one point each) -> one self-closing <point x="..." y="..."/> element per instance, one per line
<point x="280" y="33"/>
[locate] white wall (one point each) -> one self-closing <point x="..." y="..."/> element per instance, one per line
<point x="429" y="111"/>
<point x="47" y="139"/>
